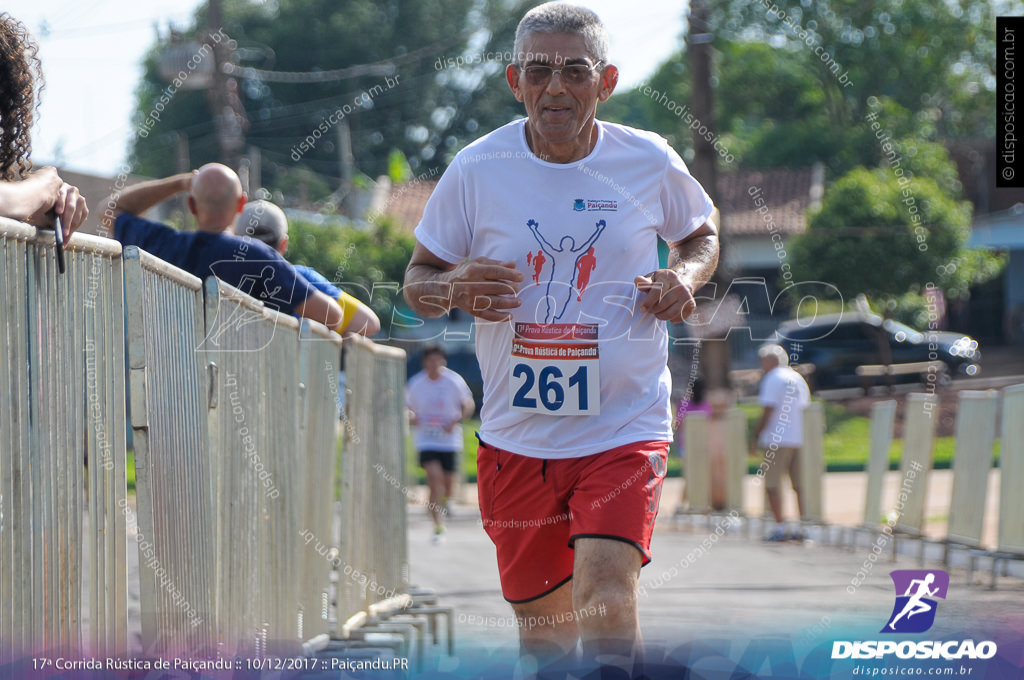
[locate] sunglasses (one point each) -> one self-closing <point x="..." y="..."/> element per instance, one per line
<point x="573" y="74"/>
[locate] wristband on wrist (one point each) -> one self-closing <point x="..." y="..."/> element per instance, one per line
<point x="349" y="305"/>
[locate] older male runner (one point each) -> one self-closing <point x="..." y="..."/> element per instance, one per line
<point x="576" y="418"/>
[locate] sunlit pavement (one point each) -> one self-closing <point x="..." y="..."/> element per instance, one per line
<point x="708" y="579"/>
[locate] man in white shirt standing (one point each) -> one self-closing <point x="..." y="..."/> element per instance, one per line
<point x="575" y="417"/>
<point x="438" y="400"/>
<point x="780" y="432"/>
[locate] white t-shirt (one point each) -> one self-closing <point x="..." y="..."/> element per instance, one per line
<point x="437" y="403"/>
<point x="784" y="389"/>
<point x="580" y="232"/>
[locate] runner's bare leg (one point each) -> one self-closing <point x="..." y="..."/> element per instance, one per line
<point x="606" y="577"/>
<point x="435" y="482"/>
<point x="547" y="632"/>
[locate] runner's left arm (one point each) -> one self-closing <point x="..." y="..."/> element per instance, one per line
<point x="691" y="263"/>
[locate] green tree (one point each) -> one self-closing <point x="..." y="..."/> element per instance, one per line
<point x="794" y="79"/>
<point x="888" y="232"/>
<point x="428" y="115"/>
<point x="367" y="263"/>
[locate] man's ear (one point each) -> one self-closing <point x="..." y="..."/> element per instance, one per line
<point x="241" y="202"/>
<point x="192" y="205"/>
<point x="609" y="79"/>
<point x="512" y="75"/>
<point x="282" y="246"/>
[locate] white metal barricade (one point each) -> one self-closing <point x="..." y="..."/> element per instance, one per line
<point x="1011" y="464"/>
<point x="373" y="560"/>
<point x="319" y="363"/>
<point x="252" y="447"/>
<point x="173" y="524"/>
<point x="883" y="419"/>
<point x="697" y="465"/>
<point x="916" y="464"/>
<point x="972" y="462"/>
<point x="736" y="458"/>
<point x="812" y="462"/>
<point x="61" y="388"/>
<point x="235" y="434"/>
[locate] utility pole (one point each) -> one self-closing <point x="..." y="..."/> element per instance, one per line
<point x="715" y="354"/>
<point x="347" y="164"/>
<point x="184" y="165"/>
<point x="229" y="138"/>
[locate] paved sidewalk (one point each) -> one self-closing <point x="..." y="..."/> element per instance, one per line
<point x="739" y="589"/>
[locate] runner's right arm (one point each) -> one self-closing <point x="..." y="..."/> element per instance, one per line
<point x="482" y="287"/>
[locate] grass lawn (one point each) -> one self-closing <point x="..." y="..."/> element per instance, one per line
<point x="847" y="444"/>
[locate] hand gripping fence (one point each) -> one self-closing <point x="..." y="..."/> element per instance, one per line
<point x="234" y="429"/>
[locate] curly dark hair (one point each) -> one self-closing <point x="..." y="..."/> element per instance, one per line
<point x="21" y="78"/>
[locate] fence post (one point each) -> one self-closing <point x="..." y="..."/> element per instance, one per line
<point x="169" y="404"/>
<point x="319" y="353"/>
<point x="918" y="441"/>
<point x="374" y="491"/>
<point x="812" y="462"/>
<point x="735" y="458"/>
<point x="61" y="379"/>
<point x="883" y="418"/>
<point x="698" y="462"/>
<point x="1011" y="464"/>
<point x="972" y="462"/>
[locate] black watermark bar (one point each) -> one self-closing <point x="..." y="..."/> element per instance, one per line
<point x="1009" y="119"/>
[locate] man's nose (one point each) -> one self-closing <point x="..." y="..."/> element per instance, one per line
<point x="552" y="87"/>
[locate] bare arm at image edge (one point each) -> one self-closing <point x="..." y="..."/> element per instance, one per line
<point x="358" y="318"/>
<point x="319" y="307"/>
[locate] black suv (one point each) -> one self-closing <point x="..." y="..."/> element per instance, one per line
<point x="837" y="344"/>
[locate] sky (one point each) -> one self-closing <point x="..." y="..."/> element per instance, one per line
<point x="92" y="53"/>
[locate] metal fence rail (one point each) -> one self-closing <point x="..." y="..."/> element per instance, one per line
<point x="883" y="420"/>
<point x="236" y="333"/>
<point x="972" y="462"/>
<point x="812" y="463"/>
<point x="698" y="461"/>
<point x="59" y="392"/>
<point x="916" y="463"/>
<point x="319" y="358"/>
<point x="373" y="560"/>
<point x="235" y="428"/>
<point x="173" y="526"/>
<point x="1011" y="462"/>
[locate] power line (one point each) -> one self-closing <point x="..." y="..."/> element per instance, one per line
<point x="385" y="67"/>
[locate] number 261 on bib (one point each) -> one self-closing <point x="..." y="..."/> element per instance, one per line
<point x="562" y="388"/>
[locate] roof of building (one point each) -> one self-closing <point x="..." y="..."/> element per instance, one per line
<point x="407" y="201"/>
<point x="787" y="194"/>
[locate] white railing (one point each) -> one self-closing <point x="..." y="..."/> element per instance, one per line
<point x="235" y="434"/>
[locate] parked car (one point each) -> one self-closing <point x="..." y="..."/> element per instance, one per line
<point x="837" y="344"/>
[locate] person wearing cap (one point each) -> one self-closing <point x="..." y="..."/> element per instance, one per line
<point x="215" y="198"/>
<point x="780" y="433"/>
<point x="266" y="222"/>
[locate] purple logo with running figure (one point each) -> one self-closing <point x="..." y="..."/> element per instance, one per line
<point x="914" y="611"/>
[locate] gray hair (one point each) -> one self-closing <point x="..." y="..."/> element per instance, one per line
<point x="264" y="221"/>
<point x="559" y="17"/>
<point x="776" y="352"/>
